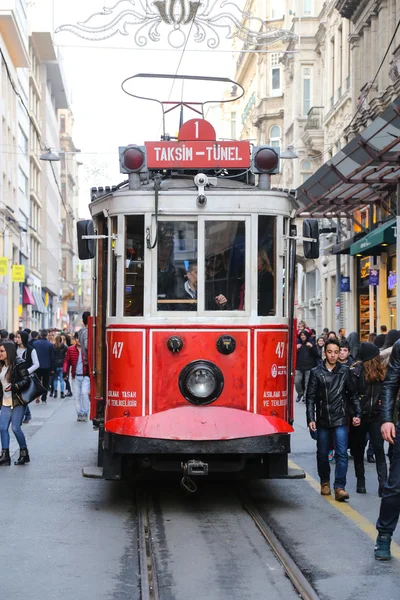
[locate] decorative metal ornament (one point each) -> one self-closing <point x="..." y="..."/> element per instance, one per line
<point x="202" y="16"/>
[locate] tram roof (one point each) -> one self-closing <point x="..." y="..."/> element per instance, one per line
<point x="364" y="172"/>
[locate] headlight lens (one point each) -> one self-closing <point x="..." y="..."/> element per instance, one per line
<point x="201" y="382"/>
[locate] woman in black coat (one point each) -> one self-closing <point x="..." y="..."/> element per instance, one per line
<point x="14" y="378"/>
<point x="368" y="374"/>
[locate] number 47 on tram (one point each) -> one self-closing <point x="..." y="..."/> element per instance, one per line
<point x="191" y="343"/>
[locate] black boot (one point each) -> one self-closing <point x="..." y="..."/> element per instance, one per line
<point x="55" y="395"/>
<point x="62" y="394"/>
<point x="5" y="460"/>
<point x="51" y="393"/>
<point x="23" y="457"/>
<point x="361" y="486"/>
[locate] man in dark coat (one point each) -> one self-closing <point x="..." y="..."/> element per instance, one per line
<point x="307" y="359"/>
<point x="47" y="360"/>
<point x="390" y="504"/>
<point x="329" y="391"/>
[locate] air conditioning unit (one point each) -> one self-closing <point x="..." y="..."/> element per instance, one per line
<point x="311" y="304"/>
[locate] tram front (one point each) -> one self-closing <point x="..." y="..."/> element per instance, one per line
<point x="191" y="353"/>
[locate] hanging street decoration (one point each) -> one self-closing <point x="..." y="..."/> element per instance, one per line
<point x="203" y="18"/>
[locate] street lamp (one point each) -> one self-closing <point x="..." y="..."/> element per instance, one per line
<point x="49" y="155"/>
<point x="289" y="153"/>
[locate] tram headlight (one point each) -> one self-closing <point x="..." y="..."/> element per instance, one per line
<point x="201" y="382"/>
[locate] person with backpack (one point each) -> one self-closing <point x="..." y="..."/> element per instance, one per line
<point x="60" y="350"/>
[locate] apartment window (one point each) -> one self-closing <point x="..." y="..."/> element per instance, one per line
<point x="62" y="124"/>
<point x="22" y="141"/>
<point x="233" y="125"/>
<point x="22" y="182"/>
<point x="306" y="90"/>
<point x="275" y="75"/>
<point x="307" y="8"/>
<point x="306" y="170"/>
<point x="275" y="136"/>
<point x="276" y="11"/>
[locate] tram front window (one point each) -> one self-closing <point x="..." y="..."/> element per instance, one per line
<point x="265" y="265"/>
<point x="177" y="265"/>
<point x="134" y="266"/>
<point x="225" y="265"/>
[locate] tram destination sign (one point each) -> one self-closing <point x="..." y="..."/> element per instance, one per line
<point x="198" y="155"/>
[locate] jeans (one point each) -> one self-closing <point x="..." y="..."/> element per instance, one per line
<point x="300" y="378"/>
<point x="339" y="436"/>
<point x="390" y="504"/>
<point x="14" y="416"/>
<point x="58" y="376"/>
<point x="27" y="413"/>
<point x="81" y="390"/>
<point x="357" y="441"/>
<point x="44" y="378"/>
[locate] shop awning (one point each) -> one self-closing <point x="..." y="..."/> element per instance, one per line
<point x="27" y="296"/>
<point x="40" y="305"/>
<point x="364" y="172"/>
<point x="376" y="240"/>
<point x="344" y="246"/>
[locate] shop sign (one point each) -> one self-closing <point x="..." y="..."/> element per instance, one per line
<point x="18" y="273"/>
<point x="392" y="280"/>
<point x="3" y="265"/>
<point x="373" y="277"/>
<point x="344" y="284"/>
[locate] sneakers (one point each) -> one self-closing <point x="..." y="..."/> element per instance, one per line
<point x="382" y="547"/>
<point x="79" y="417"/>
<point x="331" y="455"/>
<point x="341" y="495"/>
<point x="299" y="398"/>
<point x="325" y="489"/>
<point x="85" y="418"/>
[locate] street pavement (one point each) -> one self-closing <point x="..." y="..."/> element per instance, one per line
<point x="65" y="536"/>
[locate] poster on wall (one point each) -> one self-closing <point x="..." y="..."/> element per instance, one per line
<point x="373" y="277"/>
<point x="344" y="284"/>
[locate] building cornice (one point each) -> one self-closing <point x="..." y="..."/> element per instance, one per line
<point x="347" y="8"/>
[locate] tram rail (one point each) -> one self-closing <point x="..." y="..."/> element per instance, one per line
<point x="293" y="572"/>
<point x="148" y="576"/>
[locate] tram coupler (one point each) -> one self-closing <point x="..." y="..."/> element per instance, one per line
<point x="195" y="467"/>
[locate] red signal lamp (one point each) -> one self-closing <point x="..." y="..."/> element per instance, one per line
<point x="132" y="159"/>
<point x="265" y="160"/>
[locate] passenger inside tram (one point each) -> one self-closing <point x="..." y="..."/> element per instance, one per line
<point x="191" y="282"/>
<point x="265" y="284"/>
<point x="216" y="283"/>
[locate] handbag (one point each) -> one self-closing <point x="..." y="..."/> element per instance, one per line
<point x="32" y="392"/>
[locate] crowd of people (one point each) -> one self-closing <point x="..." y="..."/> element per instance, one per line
<point x="60" y="363"/>
<point x="351" y="391"/>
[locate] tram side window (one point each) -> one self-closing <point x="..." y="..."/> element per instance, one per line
<point x="113" y="274"/>
<point x="225" y="265"/>
<point x="266" y="266"/>
<point x="177" y="265"/>
<point x="134" y="266"/>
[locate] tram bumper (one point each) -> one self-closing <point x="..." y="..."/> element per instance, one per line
<point x="228" y="439"/>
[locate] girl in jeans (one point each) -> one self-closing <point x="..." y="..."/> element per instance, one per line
<point x="14" y="378"/>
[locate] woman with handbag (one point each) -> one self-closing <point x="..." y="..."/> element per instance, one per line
<point x="14" y="378"/>
<point x="29" y="355"/>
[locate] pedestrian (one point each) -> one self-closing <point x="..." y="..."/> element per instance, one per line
<point x="380" y="339"/>
<point x="342" y="334"/>
<point x="344" y="353"/>
<point x="368" y="374"/>
<point x="3" y="335"/>
<point x="332" y="335"/>
<point x="307" y="358"/>
<point x="47" y="361"/>
<point x="60" y="350"/>
<point x="83" y="336"/>
<point x="66" y="339"/>
<point x="75" y="365"/>
<point x="320" y="347"/>
<point x="354" y="342"/>
<point x="372" y="337"/>
<point x="29" y="355"/>
<point x="325" y="332"/>
<point x="303" y="327"/>
<point x="329" y="395"/>
<point x="390" y="503"/>
<point x="14" y="378"/>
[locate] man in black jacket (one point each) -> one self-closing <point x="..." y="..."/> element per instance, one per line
<point x="390" y="504"/>
<point x="330" y="388"/>
<point x="306" y="359"/>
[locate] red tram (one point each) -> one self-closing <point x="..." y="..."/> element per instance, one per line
<point x="191" y="339"/>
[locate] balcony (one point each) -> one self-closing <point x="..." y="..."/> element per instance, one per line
<point x="314" y="118"/>
<point x="13" y="30"/>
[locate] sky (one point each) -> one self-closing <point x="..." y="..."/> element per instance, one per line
<point x="106" y="117"/>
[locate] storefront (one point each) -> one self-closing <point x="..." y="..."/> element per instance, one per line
<point x="365" y="173"/>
